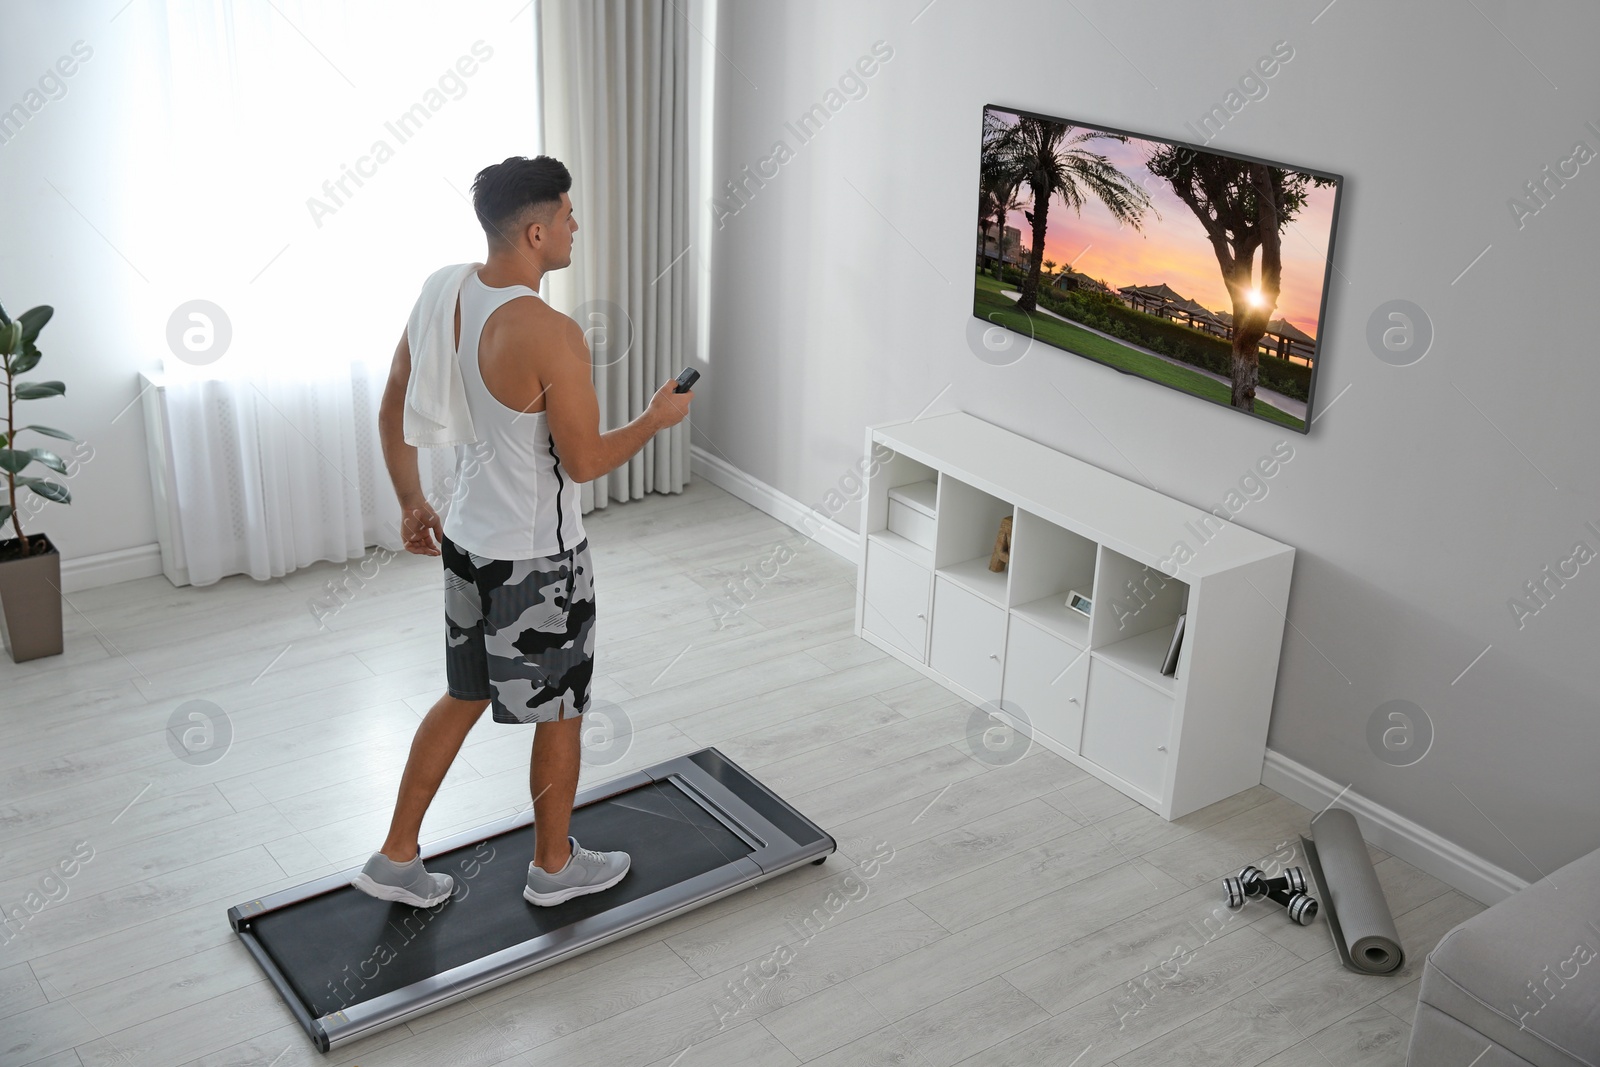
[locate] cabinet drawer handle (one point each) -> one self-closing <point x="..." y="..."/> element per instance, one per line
<point x="993" y="656"/>
<point x="1072" y="700"/>
<point x="1161" y="748"/>
<point x="921" y="615"/>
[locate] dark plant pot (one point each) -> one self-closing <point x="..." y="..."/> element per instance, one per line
<point x="30" y="599"/>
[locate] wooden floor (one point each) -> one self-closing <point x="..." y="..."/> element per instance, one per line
<point x="1027" y="915"/>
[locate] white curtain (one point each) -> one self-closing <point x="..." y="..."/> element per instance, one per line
<point x="303" y="165"/>
<point x="278" y="469"/>
<point x="616" y="87"/>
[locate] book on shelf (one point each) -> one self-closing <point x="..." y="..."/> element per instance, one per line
<point x="1169" y="666"/>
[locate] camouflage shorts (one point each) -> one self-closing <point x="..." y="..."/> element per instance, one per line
<point x="520" y="632"/>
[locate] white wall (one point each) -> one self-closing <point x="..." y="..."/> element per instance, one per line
<point x="1424" y="498"/>
<point x="58" y="174"/>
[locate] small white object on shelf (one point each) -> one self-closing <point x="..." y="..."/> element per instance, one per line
<point x="920" y="495"/>
<point x="1079" y="603"/>
<point x="911" y="511"/>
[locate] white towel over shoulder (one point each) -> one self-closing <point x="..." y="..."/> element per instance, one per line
<point x="436" y="413"/>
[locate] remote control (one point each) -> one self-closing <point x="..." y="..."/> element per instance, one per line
<point x="686" y="379"/>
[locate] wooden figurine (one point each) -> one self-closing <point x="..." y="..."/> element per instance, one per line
<point x="1002" y="546"/>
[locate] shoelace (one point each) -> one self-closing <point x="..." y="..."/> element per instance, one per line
<point x="589" y="854"/>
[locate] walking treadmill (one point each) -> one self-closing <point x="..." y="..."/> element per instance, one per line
<point x="697" y="827"/>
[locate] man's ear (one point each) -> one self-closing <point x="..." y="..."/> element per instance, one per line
<point x="535" y="232"/>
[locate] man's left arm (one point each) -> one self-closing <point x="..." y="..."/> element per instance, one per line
<point x="419" y="524"/>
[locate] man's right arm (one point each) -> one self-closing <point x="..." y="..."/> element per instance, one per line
<point x="573" y="410"/>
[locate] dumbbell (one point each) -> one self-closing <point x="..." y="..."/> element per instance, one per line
<point x="1292" y="880"/>
<point x="1246" y="885"/>
<point x="1302" y="909"/>
<point x="1252" y="883"/>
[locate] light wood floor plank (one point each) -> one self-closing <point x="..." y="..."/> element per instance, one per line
<point x="1107" y="1027"/>
<point x="969" y="1022"/>
<point x="742" y="1046"/>
<point x="19" y="989"/>
<point x="1367" y="1038"/>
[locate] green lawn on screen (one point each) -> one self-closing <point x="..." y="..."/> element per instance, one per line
<point x="989" y="305"/>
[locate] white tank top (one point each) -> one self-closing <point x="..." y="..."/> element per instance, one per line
<point x="511" y="498"/>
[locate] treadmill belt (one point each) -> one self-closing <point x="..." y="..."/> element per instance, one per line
<point x="344" y="946"/>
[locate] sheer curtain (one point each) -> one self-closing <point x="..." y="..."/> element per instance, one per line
<point x="274" y="471"/>
<point x="302" y="166"/>
<point x="617" y="84"/>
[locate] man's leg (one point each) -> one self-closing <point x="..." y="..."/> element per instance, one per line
<point x="553" y="780"/>
<point x="433" y="749"/>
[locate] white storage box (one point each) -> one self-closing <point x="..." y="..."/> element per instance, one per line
<point x="911" y="513"/>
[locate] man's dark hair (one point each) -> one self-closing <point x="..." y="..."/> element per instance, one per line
<point x="510" y="195"/>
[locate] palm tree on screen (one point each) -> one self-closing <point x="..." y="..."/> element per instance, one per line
<point x="1244" y="207"/>
<point x="997" y="200"/>
<point x="1055" y="160"/>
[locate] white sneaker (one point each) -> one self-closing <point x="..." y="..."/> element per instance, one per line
<point x="407" y="883"/>
<point x="586" y="871"/>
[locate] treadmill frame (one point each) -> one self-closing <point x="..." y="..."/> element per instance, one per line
<point x="775" y="853"/>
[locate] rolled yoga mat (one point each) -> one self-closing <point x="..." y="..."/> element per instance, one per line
<point x="1358" y="915"/>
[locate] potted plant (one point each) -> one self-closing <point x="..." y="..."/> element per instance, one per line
<point x="30" y="566"/>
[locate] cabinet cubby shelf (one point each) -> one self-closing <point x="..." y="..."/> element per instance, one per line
<point x="1141" y="657"/>
<point x="1090" y="688"/>
<point x="1052" y="614"/>
<point x="975" y="575"/>
<point x="907" y="548"/>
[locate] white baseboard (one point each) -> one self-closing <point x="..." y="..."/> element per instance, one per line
<point x="1392" y="832"/>
<point x="108" y="568"/>
<point x="787" y="510"/>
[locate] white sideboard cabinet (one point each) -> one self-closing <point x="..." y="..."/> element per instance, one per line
<point x="1087" y="685"/>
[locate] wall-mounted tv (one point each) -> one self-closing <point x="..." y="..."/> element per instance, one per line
<point x="1201" y="270"/>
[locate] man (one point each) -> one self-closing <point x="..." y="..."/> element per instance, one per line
<point x="519" y="594"/>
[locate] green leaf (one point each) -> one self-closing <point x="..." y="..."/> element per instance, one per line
<point x="39" y="390"/>
<point x="48" y="431"/>
<point x="14" y="459"/>
<point x="10" y="338"/>
<point x="26" y="360"/>
<point x="5" y="514"/>
<point x="5" y="320"/>
<point x="49" y="459"/>
<point x="49" y="490"/>
<point x="33" y="321"/>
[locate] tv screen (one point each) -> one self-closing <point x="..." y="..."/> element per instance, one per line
<point x="1200" y="270"/>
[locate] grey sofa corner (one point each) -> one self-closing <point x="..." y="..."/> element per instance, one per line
<point x="1518" y="983"/>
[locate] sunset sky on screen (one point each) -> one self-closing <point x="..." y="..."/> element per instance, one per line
<point x="1173" y="248"/>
